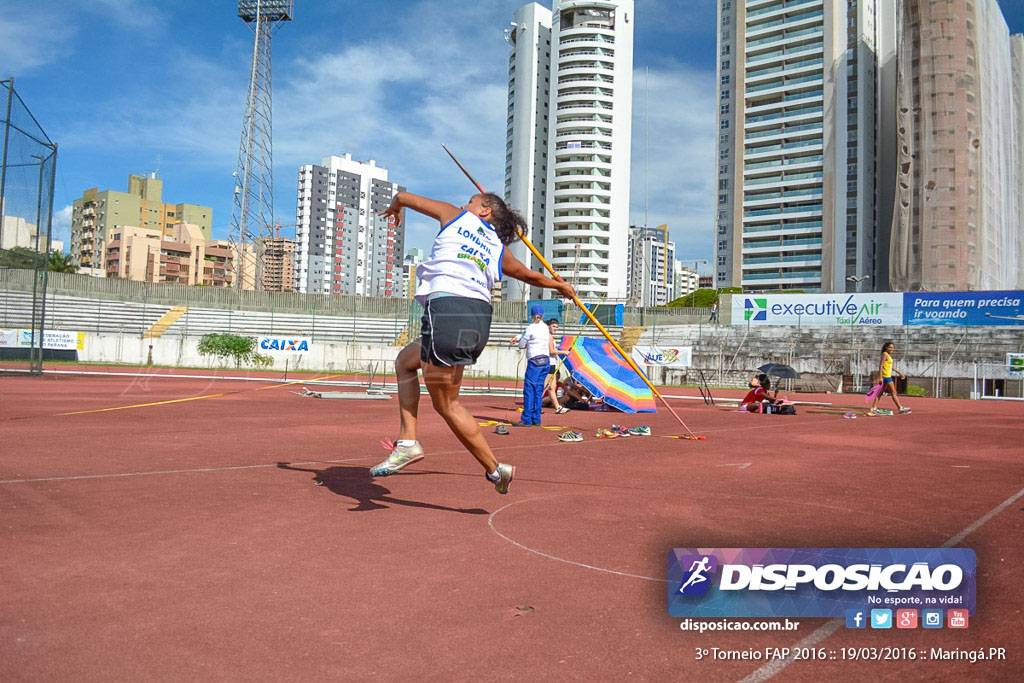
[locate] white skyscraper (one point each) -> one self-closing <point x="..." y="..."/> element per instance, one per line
<point x="568" y="138"/>
<point x="651" y="259"/>
<point x="342" y="245"/>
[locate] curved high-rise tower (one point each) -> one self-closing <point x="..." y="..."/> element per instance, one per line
<point x="573" y="128"/>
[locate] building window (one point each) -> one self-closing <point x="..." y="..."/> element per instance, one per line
<point x="723" y="139"/>
<point x="726" y="49"/>
<point x="723" y="124"/>
<point x="726" y="94"/>
<point x="723" y="198"/>
<point x="721" y="260"/>
<point x="723" y="184"/>
<point x="725" y="79"/>
<point x="726" y="64"/>
<point x="724" y="109"/>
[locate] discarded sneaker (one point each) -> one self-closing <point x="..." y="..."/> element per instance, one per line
<point x="606" y="434"/>
<point x="904" y="411"/>
<point x="850" y="416"/>
<point x="400" y="457"/>
<point x="501" y="429"/>
<point x="570" y="436"/>
<point x="641" y="430"/>
<point x="620" y="430"/>
<point x="562" y="410"/>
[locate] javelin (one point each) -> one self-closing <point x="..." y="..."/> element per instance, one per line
<point x="585" y="310"/>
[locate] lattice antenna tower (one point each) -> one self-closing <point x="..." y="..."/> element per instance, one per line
<point x="253" y="208"/>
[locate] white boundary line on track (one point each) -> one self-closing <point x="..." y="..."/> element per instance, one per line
<point x="821" y="633"/>
<point x="469" y="392"/>
<point x="116" y="475"/>
<point x="490" y="523"/>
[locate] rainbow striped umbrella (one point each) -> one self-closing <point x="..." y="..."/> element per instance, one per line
<point x="596" y="365"/>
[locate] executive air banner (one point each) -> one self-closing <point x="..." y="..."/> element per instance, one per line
<point x="818" y="309"/>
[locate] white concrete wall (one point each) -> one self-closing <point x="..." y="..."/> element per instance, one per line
<point x="113" y="348"/>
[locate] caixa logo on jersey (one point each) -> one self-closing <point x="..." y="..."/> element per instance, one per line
<point x="816" y="582"/>
<point x="284" y="344"/>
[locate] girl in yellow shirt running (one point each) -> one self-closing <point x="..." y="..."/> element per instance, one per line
<point x="885" y="370"/>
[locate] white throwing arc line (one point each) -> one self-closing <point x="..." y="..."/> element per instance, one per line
<point x="741" y="465"/>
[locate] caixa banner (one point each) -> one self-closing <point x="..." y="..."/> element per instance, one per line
<point x="817" y="582"/>
<point x="285" y="344"/>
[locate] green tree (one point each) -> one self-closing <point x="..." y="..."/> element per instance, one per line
<point x="19" y="257"/>
<point x="703" y="298"/>
<point x="61" y="263"/>
<point x="233" y="347"/>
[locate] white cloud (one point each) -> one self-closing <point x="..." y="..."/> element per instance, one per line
<point x="61" y="226"/>
<point x="433" y="75"/>
<point x="31" y="37"/>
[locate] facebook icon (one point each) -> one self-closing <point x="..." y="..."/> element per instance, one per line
<point x="856" y="618"/>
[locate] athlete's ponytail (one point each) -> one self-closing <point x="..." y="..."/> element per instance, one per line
<point x="507" y="222"/>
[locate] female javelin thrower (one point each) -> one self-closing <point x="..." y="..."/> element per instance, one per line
<point x="467" y="258"/>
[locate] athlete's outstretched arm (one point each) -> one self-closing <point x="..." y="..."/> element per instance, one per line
<point x="442" y="211"/>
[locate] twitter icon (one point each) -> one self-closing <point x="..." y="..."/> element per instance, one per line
<point x="881" y="618"/>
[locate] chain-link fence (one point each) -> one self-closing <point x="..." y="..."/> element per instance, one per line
<point x="28" y="161"/>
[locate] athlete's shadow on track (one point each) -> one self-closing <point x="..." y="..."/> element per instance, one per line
<point x="356" y="483"/>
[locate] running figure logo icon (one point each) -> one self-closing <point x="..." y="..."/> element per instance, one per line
<point x="696" y="580"/>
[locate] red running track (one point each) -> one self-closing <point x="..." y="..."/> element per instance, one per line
<point x="152" y="535"/>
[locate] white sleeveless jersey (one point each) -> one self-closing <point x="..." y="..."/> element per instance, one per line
<point x="464" y="261"/>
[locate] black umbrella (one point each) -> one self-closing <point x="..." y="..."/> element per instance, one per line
<point x="779" y="370"/>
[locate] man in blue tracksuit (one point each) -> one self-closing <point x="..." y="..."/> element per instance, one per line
<point x="536" y="341"/>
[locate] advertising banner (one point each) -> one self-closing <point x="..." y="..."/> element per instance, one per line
<point x="1015" y="366"/>
<point x="819" y="582"/>
<point x="284" y="344"/>
<point x="818" y="309"/>
<point x="61" y="340"/>
<point x="664" y="356"/>
<point x="963" y="308"/>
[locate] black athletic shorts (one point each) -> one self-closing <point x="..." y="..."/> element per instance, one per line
<point x="455" y="330"/>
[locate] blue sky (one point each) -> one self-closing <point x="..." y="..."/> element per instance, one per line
<point x="117" y="83"/>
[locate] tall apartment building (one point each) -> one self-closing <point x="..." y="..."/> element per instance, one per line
<point x="961" y="183"/>
<point x="278" y="263"/>
<point x="342" y="245"/>
<point x="797" y="204"/>
<point x="651" y="257"/>
<point x="567" y="151"/>
<point x="1017" y="50"/>
<point x="96" y="213"/>
<point x="181" y="256"/>
<point x="414" y="258"/>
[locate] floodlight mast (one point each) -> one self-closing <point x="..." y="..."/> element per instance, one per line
<point x="253" y="203"/>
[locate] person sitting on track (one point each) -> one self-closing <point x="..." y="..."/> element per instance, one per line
<point x="757" y="398"/>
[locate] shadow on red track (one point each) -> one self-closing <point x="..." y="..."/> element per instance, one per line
<point x="356" y="483"/>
